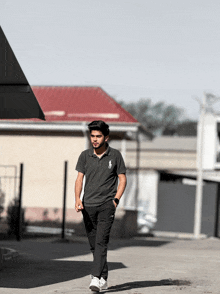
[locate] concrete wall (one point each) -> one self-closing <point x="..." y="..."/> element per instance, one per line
<point x="154" y="157"/>
<point x="160" y="159"/>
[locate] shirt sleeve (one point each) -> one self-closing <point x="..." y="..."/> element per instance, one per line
<point x="80" y="166"/>
<point x="121" y="169"/>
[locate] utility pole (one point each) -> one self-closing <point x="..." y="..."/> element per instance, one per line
<point x="206" y="106"/>
<point x="199" y="184"/>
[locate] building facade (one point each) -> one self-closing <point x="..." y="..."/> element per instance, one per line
<point x="44" y="147"/>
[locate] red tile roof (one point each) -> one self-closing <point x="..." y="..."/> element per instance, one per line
<point x="80" y="104"/>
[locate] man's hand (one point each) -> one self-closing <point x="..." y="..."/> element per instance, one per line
<point x="78" y="190"/>
<point x="78" y="205"/>
<point x="121" y="186"/>
<point x="115" y="204"/>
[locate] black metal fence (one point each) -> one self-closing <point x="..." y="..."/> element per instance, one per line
<point x="11" y="188"/>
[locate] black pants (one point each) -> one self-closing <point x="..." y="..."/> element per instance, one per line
<point x="98" y="221"/>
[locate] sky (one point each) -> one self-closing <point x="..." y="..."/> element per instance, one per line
<point x="165" y="50"/>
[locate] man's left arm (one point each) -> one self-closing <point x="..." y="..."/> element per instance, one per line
<point x="121" y="186"/>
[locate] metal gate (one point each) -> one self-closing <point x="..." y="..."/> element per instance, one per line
<point x="9" y="184"/>
<point x="176" y="204"/>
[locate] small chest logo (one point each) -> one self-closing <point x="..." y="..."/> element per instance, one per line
<point x="110" y="164"/>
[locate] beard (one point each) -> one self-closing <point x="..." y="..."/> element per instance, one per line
<point x="99" y="145"/>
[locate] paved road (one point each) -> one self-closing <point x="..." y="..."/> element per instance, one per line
<point x="137" y="266"/>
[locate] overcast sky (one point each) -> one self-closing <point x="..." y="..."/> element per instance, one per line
<point x="166" y="50"/>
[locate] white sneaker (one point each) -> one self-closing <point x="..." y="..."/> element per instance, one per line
<point x="95" y="285"/>
<point x="103" y="284"/>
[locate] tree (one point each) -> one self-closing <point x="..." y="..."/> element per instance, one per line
<point x="159" y="118"/>
<point x="187" y="128"/>
<point x="2" y="202"/>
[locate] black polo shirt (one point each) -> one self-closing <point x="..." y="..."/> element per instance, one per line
<point x="101" y="175"/>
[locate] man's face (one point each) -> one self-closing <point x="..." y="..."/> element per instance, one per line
<point x="97" y="139"/>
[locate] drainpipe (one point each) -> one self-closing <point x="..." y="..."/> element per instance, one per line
<point x="85" y="132"/>
<point x="137" y="168"/>
<point x="123" y="147"/>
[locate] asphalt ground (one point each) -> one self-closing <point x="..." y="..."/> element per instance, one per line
<point x="139" y="265"/>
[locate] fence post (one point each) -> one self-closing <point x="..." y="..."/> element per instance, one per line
<point x="217" y="212"/>
<point x="64" y="200"/>
<point x="19" y="219"/>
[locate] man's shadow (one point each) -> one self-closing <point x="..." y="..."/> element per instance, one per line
<point x="147" y="284"/>
<point x="46" y="263"/>
<point x="26" y="273"/>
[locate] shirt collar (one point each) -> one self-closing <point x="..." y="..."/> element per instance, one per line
<point x="107" y="152"/>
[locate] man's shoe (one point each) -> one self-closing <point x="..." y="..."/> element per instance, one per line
<point x="103" y="284"/>
<point x="95" y="285"/>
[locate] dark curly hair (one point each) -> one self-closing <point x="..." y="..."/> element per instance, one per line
<point x="99" y="125"/>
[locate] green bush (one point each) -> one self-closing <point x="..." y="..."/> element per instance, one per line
<point x="12" y="218"/>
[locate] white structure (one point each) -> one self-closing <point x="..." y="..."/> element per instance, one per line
<point x="210" y="141"/>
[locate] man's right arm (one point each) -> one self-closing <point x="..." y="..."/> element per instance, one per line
<point x="78" y="190"/>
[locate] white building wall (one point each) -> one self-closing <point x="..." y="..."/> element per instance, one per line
<point x="43" y="158"/>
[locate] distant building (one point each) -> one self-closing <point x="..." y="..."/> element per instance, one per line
<point x="163" y="153"/>
<point x="158" y="161"/>
<point x="168" y="179"/>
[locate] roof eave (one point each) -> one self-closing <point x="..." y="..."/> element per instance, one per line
<point x="60" y="126"/>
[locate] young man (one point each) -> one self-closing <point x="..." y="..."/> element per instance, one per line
<point x="102" y="167"/>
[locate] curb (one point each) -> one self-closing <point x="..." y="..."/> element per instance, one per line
<point x="7" y="254"/>
<point x="177" y="235"/>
